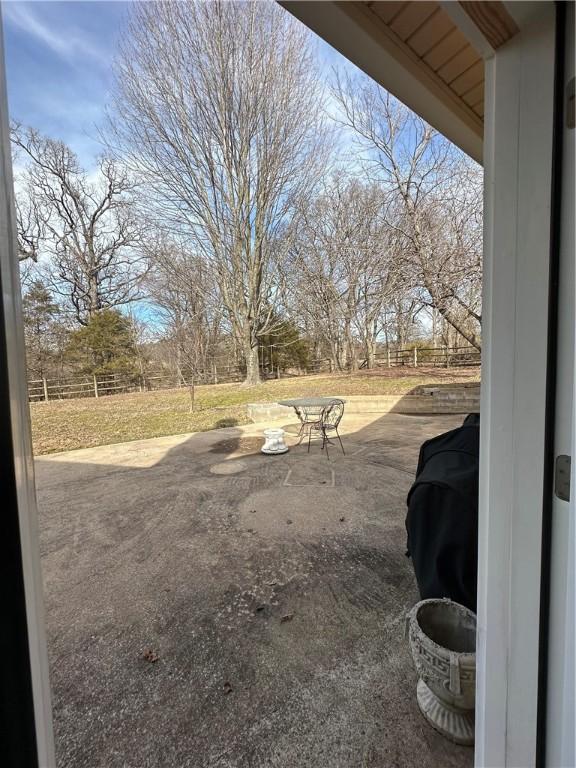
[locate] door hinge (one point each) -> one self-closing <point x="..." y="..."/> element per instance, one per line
<point x="562" y="477"/>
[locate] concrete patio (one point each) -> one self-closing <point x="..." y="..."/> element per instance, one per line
<point x="272" y="590"/>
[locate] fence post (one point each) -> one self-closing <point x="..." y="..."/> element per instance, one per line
<point x="45" y="386"/>
<point x="447" y="357"/>
<point x="415" y="357"/>
<point x="95" y="386"/>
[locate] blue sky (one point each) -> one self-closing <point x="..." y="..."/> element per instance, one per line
<point x="59" y="67"/>
<point x="59" y="58"/>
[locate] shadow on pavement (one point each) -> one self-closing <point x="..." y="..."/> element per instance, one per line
<point x="272" y="589"/>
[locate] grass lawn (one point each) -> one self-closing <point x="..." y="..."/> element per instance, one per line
<point x="64" y="425"/>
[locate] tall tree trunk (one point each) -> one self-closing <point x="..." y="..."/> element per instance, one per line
<point x="93" y="293"/>
<point x="351" y="348"/>
<point x="252" y="362"/>
<point x="400" y="334"/>
<point x="370" y="352"/>
<point x="179" y="376"/>
<point x="342" y="355"/>
<point x="370" y="335"/>
<point x="335" y="352"/>
<point x="192" y="391"/>
<point x="352" y="359"/>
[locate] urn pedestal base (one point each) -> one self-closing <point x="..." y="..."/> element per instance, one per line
<point x="442" y="637"/>
<point x="274" y="442"/>
<point x="458" y="726"/>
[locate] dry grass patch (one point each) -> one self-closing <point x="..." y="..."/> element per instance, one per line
<point x="82" y="423"/>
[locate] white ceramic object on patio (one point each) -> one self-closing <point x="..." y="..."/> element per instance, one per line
<point x="274" y="442"/>
<point x="443" y="643"/>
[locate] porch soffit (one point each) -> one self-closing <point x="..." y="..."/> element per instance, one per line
<point x="434" y="43"/>
<point x="420" y="53"/>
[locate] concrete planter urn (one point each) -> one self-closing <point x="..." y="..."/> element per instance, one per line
<point x="443" y="644"/>
<point x="274" y="442"/>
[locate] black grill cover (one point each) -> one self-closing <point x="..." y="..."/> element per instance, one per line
<point x="442" y="519"/>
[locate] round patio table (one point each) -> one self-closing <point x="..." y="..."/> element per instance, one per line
<point x="308" y="410"/>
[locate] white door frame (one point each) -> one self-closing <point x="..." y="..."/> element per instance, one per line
<point x="518" y="176"/>
<point x="22" y="471"/>
<point x="560" y="742"/>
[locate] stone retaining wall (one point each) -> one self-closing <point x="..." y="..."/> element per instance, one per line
<point x="432" y="400"/>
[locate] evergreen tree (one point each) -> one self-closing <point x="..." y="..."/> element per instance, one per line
<point x="43" y="330"/>
<point x="283" y="347"/>
<point x="104" y="345"/>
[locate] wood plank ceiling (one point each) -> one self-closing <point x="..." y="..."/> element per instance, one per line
<point x="431" y="35"/>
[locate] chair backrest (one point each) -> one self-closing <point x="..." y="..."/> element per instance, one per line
<point x="332" y="413"/>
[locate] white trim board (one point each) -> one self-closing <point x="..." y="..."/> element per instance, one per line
<point x="517" y="165"/>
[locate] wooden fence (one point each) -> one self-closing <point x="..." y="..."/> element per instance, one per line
<point x="112" y="384"/>
<point x="101" y="386"/>
<point x="78" y="386"/>
<point x="436" y="357"/>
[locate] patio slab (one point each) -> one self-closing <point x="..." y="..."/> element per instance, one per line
<point x="272" y="589"/>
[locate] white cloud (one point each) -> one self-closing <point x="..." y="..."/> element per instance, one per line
<point x="66" y="43"/>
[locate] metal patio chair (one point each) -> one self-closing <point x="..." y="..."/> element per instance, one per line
<point x="309" y="417"/>
<point x="328" y="423"/>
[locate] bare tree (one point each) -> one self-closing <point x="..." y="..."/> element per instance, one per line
<point x="182" y="288"/>
<point x="88" y="228"/>
<point x="435" y="201"/>
<point x="30" y="223"/>
<point x="343" y="268"/>
<point x="218" y="108"/>
<point x="400" y="317"/>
